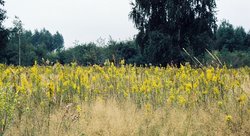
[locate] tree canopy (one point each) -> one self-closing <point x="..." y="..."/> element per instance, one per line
<point x="35" y="46"/>
<point x="170" y="25"/>
<point x="3" y="31"/>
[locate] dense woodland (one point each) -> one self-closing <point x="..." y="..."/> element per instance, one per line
<point x="170" y="33"/>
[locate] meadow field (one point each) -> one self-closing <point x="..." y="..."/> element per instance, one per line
<point x="124" y="101"/>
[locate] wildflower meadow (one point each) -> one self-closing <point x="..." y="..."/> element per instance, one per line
<point x="124" y="100"/>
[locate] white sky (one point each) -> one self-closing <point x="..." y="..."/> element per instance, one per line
<point x="88" y="20"/>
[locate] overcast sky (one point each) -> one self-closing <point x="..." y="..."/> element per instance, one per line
<point x="88" y="20"/>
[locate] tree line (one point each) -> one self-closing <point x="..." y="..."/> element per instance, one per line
<point x="34" y="46"/>
<point x="230" y="44"/>
<point x="170" y="32"/>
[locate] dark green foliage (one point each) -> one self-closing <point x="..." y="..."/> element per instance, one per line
<point x="230" y="38"/>
<point x="57" y="42"/>
<point x="160" y="49"/>
<point x="90" y="54"/>
<point x="3" y="32"/>
<point x="84" y="54"/>
<point x="40" y="46"/>
<point x="48" y="41"/>
<point x="247" y="41"/>
<point x="233" y="59"/>
<point x="240" y="36"/>
<point x="180" y="23"/>
<point x="116" y="51"/>
<point x="225" y="37"/>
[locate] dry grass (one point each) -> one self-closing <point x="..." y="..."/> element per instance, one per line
<point x="111" y="118"/>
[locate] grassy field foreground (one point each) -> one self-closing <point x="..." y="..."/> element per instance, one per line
<point x="125" y="100"/>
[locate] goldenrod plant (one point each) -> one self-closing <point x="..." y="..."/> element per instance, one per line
<point x="124" y="100"/>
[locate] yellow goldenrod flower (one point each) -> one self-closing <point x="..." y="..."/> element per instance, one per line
<point x="181" y="100"/>
<point x="220" y="103"/>
<point x="242" y="99"/>
<point x="78" y="108"/>
<point x="228" y="118"/>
